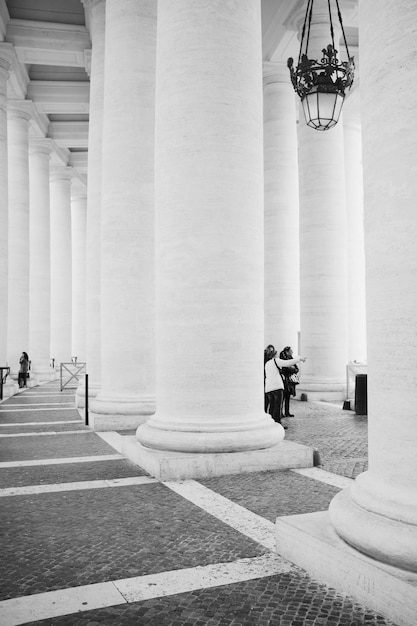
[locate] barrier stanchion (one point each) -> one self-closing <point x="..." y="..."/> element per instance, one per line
<point x="86" y="400"/>
<point x="3" y="379"/>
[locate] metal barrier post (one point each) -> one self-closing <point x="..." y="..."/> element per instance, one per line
<point x="3" y="379"/>
<point x="86" y="400"/>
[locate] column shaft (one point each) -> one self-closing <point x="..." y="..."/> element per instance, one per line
<point x="40" y="259"/>
<point x="78" y="241"/>
<point x="209" y="230"/>
<point x="354" y="210"/>
<point x="127" y="218"/>
<point x="378" y="515"/>
<point x="6" y="57"/>
<point x="61" y="285"/>
<point x="323" y="246"/>
<point x="282" y="267"/>
<point x="96" y="9"/>
<point x="19" y="113"/>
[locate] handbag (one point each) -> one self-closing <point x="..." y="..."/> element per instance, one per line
<point x="295" y="379"/>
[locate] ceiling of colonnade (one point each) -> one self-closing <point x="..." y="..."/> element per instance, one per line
<point x="52" y="43"/>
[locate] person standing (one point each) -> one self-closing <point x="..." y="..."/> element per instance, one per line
<point x="274" y="384"/>
<point x="287" y="373"/>
<point x="23" y="370"/>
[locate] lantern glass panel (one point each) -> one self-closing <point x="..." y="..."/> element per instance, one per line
<point x="322" y="109"/>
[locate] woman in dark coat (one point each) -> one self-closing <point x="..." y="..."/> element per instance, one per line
<point x="289" y="385"/>
<point x="24" y="368"/>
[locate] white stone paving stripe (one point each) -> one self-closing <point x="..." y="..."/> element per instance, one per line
<point x="40" y="423"/>
<point x="250" y="524"/>
<point x="74" y="600"/>
<point x="325" y="477"/>
<point x="201" y="577"/>
<point x="69" y="459"/>
<point x="76" y="486"/>
<point x="44" y="394"/>
<point x="64" y="408"/>
<point x="112" y="438"/>
<point x="26" y="404"/>
<point x="57" y="603"/>
<point x="44" y="434"/>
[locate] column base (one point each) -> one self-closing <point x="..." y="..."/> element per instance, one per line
<point x="169" y="465"/>
<point x="325" y="391"/>
<point x="93" y="390"/>
<point x="386" y="539"/>
<point x="204" y="437"/>
<point x="44" y="375"/>
<point x="10" y="388"/>
<point x="120" y="412"/>
<point x="310" y="542"/>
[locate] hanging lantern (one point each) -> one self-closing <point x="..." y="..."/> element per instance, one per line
<point x="321" y="84"/>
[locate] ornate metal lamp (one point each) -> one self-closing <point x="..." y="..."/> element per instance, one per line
<point x="321" y="84"/>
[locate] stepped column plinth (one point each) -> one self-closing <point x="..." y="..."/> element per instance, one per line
<point x="40" y="259"/>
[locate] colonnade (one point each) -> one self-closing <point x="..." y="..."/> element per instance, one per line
<point x="35" y="253"/>
<point x="216" y="141"/>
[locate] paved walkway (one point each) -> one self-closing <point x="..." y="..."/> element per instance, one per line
<point x="89" y="538"/>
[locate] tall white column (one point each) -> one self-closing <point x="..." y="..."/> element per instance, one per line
<point x="96" y="14"/>
<point x="78" y="248"/>
<point x="127" y="393"/>
<point x="354" y="210"/>
<point x="6" y="59"/>
<point x="323" y="245"/>
<point x="282" y="268"/>
<point x="378" y="514"/>
<point x="40" y="259"/>
<point x="61" y="264"/>
<point x="19" y="114"/>
<point x="209" y="230"/>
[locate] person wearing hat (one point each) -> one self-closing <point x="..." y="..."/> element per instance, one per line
<point x="274" y="384"/>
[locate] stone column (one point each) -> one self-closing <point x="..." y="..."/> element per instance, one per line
<point x="127" y="393"/>
<point x="282" y="268"/>
<point x="78" y="240"/>
<point x="95" y="10"/>
<point x="323" y="245"/>
<point x="354" y="211"/>
<point x="61" y="284"/>
<point x="6" y="60"/>
<point x="19" y="114"/>
<point x="40" y="259"/>
<point x="378" y="514"/>
<point x="209" y="231"/>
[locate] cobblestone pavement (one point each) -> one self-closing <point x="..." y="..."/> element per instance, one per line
<point x="60" y="540"/>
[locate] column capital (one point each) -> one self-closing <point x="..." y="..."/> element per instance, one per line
<point x="7" y="56"/>
<point x="92" y="9"/>
<point x="275" y="73"/>
<point x="92" y="4"/>
<point x="39" y="145"/>
<point x="22" y="109"/>
<point x="61" y="172"/>
<point x="78" y="193"/>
